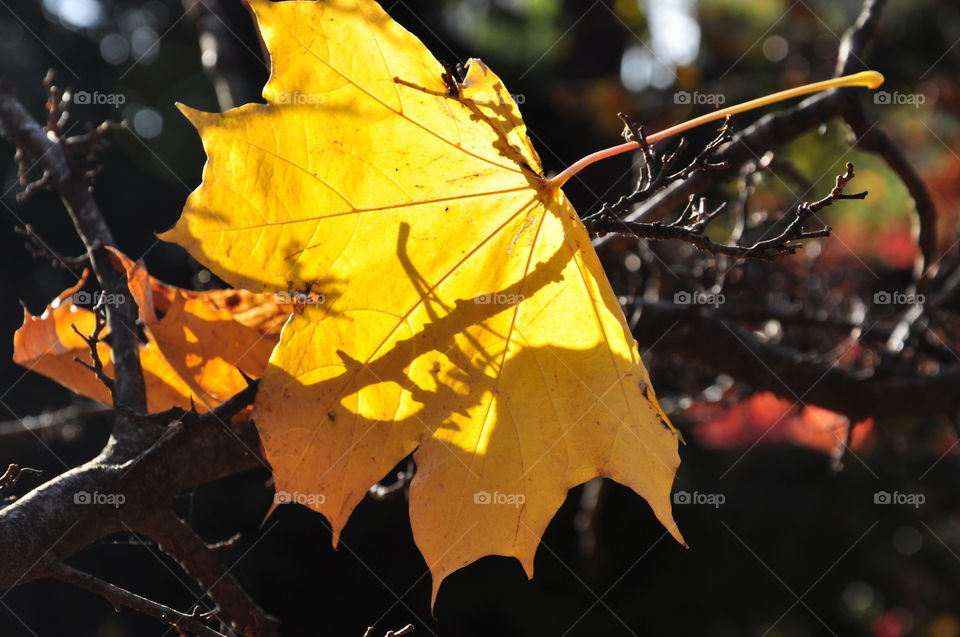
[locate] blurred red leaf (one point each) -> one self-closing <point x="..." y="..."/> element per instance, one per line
<point x="765" y="419"/>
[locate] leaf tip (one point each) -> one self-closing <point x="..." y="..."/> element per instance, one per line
<point x="434" y="589"/>
<point x="674" y="531"/>
<point x="198" y="118"/>
<point x="273" y="507"/>
<point x="170" y="236"/>
<point x="526" y="562"/>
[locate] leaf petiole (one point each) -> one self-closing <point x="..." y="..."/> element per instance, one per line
<point x="869" y="79"/>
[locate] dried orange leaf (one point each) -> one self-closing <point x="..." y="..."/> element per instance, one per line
<point x="197" y="341"/>
<point x="48" y="345"/>
<point x="207" y="338"/>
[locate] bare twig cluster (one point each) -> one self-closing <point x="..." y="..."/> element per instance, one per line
<point x="692" y="224"/>
<point x="657" y="170"/>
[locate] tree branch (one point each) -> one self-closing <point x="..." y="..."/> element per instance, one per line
<point x="727" y="348"/>
<point x="219" y="54"/>
<point x="234" y="606"/>
<point x="45" y="149"/>
<point x="51" y="519"/>
<point x="871" y="138"/>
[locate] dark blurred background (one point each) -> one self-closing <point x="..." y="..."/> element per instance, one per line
<point x="793" y="550"/>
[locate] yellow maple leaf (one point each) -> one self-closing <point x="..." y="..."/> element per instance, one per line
<point x="464" y="313"/>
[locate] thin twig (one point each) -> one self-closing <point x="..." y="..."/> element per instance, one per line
<point x="406" y="630"/>
<point x="219" y="53"/>
<point x="656" y="171"/>
<point x="53" y="419"/>
<point x="96" y="364"/>
<point x="12" y="476"/>
<point x="382" y="491"/>
<point x="190" y="624"/>
<point x="41" y="249"/>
